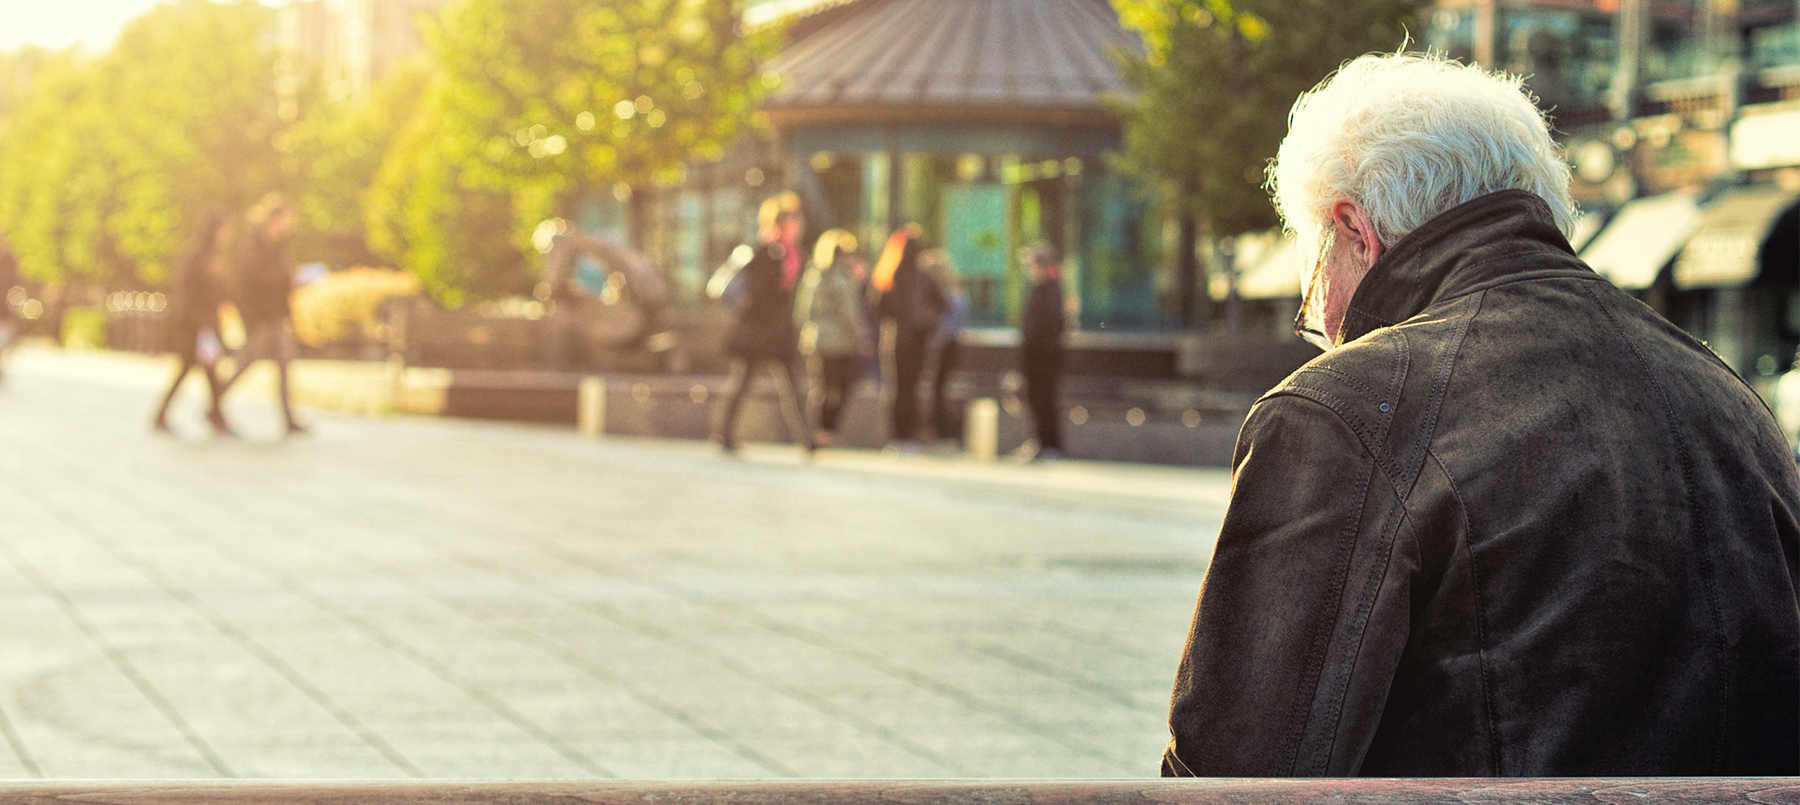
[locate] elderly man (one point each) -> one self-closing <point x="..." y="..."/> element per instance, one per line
<point x="1511" y="522"/>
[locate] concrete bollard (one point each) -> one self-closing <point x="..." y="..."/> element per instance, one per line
<point x="591" y="410"/>
<point x="981" y="429"/>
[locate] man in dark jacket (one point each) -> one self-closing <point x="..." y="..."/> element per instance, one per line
<point x="265" y="282"/>
<point x="1512" y="522"/>
<point x="764" y="333"/>
<point x="1041" y="347"/>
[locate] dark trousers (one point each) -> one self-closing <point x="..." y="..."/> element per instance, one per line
<point x="1043" y="392"/>
<point x="942" y="417"/>
<point x="836" y="374"/>
<point x="273" y="340"/>
<point x="909" y="368"/>
<point x="787" y="387"/>
<point x="188" y="363"/>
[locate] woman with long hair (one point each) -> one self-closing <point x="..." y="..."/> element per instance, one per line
<point x="910" y="303"/>
<point x="193" y="315"/>
<point x="831" y="326"/>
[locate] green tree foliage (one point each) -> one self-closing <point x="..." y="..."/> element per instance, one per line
<point x="334" y="154"/>
<point x="542" y="103"/>
<point x="1216" y="80"/>
<point x="1214" y="85"/>
<point x="106" y="163"/>
<point x="422" y="213"/>
<point x="57" y="177"/>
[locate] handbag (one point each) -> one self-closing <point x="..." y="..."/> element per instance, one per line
<point x="208" y="349"/>
<point x="729" y="284"/>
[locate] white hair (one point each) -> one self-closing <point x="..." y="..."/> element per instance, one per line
<point x="1409" y="136"/>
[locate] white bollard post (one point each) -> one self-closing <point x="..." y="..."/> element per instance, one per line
<point x="981" y="429"/>
<point x="591" y="411"/>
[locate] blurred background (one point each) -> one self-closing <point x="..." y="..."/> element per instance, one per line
<point x="511" y="210"/>
<point x="435" y="149"/>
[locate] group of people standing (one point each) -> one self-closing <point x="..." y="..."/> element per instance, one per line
<point x="836" y="320"/>
<point x="248" y="266"/>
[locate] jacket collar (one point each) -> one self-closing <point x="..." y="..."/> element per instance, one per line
<point x="1469" y="246"/>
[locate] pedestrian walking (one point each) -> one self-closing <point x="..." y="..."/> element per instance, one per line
<point x="195" y="292"/>
<point x="832" y="330"/>
<point x="908" y="304"/>
<point x="946" y="351"/>
<point x="265" y="283"/>
<point x="764" y="333"/>
<point x="1512" y="522"/>
<point x="1041" y="347"/>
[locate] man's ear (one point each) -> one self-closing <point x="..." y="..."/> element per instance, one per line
<point x="1356" y="231"/>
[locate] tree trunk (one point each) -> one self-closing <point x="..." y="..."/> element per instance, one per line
<point x="1187" y="269"/>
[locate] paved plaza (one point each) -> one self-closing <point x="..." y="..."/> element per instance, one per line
<point x="397" y="597"/>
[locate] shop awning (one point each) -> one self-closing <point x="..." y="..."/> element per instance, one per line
<point x="956" y="61"/>
<point x="1641" y="239"/>
<point x="1267" y="268"/>
<point x="1722" y="252"/>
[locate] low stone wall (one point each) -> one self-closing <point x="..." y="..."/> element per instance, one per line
<point x="1162" y="426"/>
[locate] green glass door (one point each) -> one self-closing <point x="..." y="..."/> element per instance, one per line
<point x="975" y="237"/>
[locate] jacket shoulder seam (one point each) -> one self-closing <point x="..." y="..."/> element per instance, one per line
<point x="1336" y="405"/>
<point x="1378" y="578"/>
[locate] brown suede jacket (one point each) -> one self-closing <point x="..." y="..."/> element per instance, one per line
<point x="1518" y="524"/>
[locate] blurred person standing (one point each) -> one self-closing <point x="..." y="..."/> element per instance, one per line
<point x="193" y="316"/>
<point x="1041" y="347"/>
<point x="265" y="284"/>
<point x="945" y="349"/>
<point x="908" y="303"/>
<point x="764" y="333"/>
<point x="832" y="327"/>
<point x="9" y="320"/>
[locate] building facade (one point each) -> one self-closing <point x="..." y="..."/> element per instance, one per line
<point x="987" y="123"/>
<point x="1681" y="122"/>
<point x="990" y="122"/>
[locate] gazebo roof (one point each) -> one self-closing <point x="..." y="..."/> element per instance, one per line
<point x="993" y="60"/>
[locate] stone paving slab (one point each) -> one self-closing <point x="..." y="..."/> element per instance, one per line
<point x="401" y="596"/>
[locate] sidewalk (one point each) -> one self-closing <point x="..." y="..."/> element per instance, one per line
<point x="353" y="387"/>
<point x="400" y="596"/>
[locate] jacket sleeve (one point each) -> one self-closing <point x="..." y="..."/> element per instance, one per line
<point x="807" y="298"/>
<point x="1302" y="616"/>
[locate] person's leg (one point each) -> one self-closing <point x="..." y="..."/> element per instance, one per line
<point x="161" y="422"/>
<point x="942" y="420"/>
<point x="284" y="354"/>
<point x="813" y="402"/>
<point x="258" y="344"/>
<point x="788" y="388"/>
<point x="735" y="386"/>
<point x="909" y="363"/>
<point x="215" y="413"/>
<point x="836" y="374"/>
<point x="1041" y="386"/>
